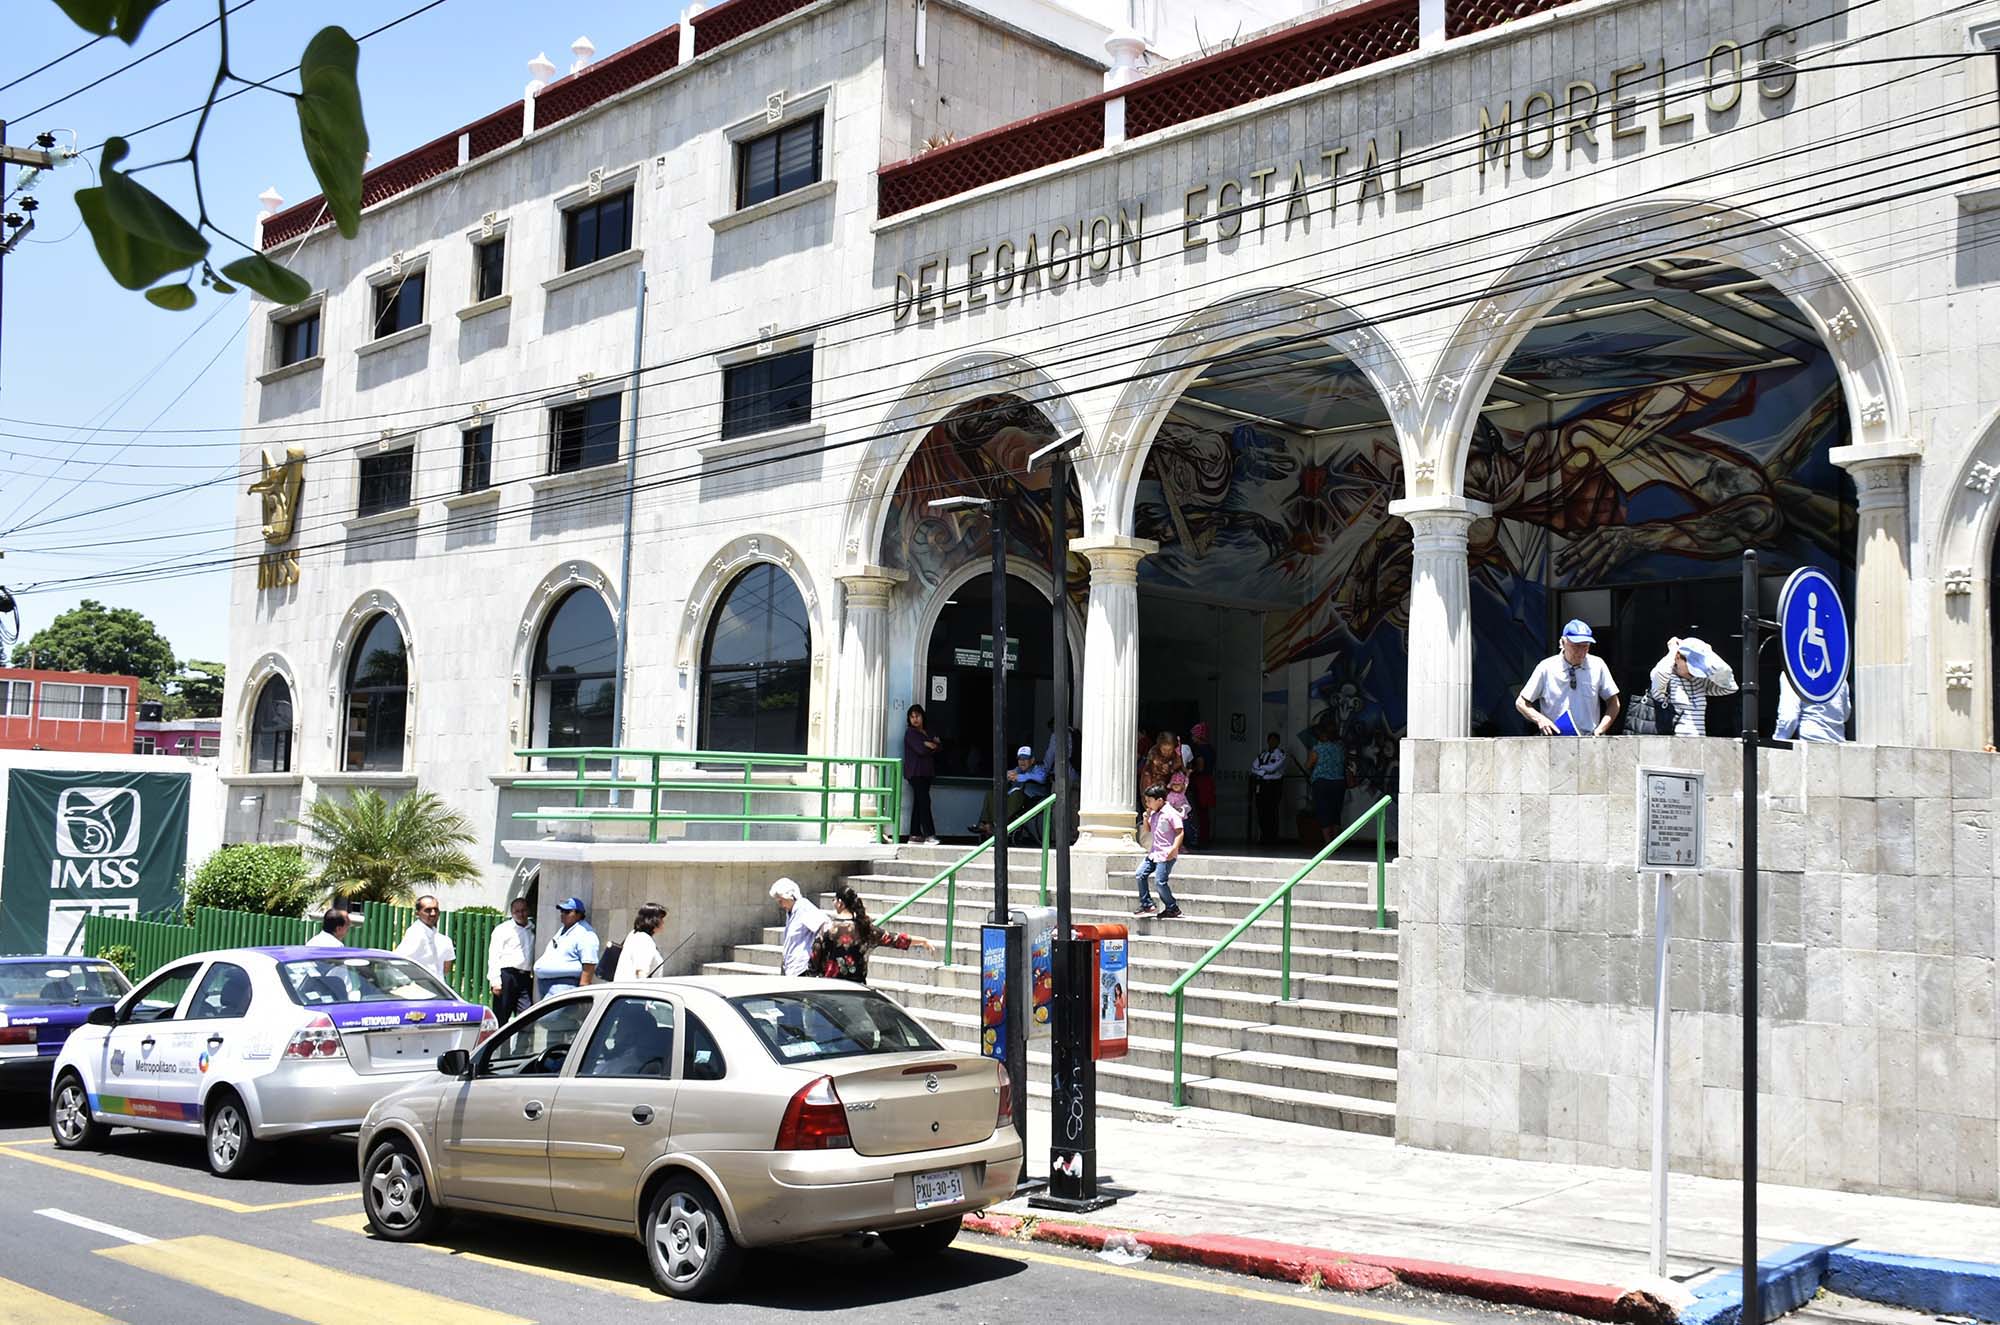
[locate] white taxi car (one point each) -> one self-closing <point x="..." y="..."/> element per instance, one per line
<point x="248" y="1045"/>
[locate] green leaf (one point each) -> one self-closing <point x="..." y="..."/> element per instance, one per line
<point x="124" y="19"/>
<point x="141" y="212"/>
<point x="280" y="285"/>
<point x="177" y="298"/>
<point x="134" y="261"/>
<point x="330" y="123"/>
<point x="221" y="286"/>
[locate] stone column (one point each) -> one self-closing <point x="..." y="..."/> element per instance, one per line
<point x="1440" y="684"/>
<point x="1881" y="678"/>
<point x="1110" y="756"/>
<point x="861" y="690"/>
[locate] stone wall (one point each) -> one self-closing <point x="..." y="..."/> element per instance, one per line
<point x="1527" y="962"/>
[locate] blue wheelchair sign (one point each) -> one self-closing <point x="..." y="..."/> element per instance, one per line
<point x="1813" y="635"/>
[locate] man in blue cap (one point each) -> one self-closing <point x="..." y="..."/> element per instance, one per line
<point x="571" y="957"/>
<point x="1572" y="693"/>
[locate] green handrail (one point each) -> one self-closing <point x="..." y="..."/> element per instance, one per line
<point x="1178" y="989"/>
<point x="872" y="784"/>
<point x="948" y="876"/>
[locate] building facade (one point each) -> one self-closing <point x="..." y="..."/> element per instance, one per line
<point x="85" y="712"/>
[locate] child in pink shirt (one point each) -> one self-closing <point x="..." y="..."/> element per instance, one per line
<point x="1165" y="831"/>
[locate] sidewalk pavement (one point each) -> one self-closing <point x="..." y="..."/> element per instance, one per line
<point x="1199" y="1171"/>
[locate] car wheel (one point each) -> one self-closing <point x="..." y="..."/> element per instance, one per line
<point x="688" y="1242"/>
<point x="923" y="1239"/>
<point x="69" y="1115"/>
<point x="396" y="1197"/>
<point x="233" y="1149"/>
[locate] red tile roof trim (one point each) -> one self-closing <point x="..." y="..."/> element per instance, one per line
<point x="1463" y="17"/>
<point x="733" y="18"/>
<point x="1277" y="62"/>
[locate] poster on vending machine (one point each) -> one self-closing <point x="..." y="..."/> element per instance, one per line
<point x="993" y="992"/>
<point x="1042" y="975"/>
<point x="1112" y="994"/>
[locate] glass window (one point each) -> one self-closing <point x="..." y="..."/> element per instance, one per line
<point x="144" y="745"/>
<point x="61" y="699"/>
<point x="475" y="459"/>
<point x="211" y="746"/>
<point x="360" y="980"/>
<point x="597" y="230"/>
<point x="55" y="982"/>
<point x="271" y="728"/>
<point x="385" y="481"/>
<point x="808" y="1026"/>
<point x="489" y="267"/>
<point x="114" y="703"/>
<point x="756" y="666"/>
<point x="298" y="339"/>
<point x="778" y="162"/>
<point x="378" y="691"/>
<point x="701" y="1055"/>
<point x="223" y="992"/>
<point x="399" y="305"/>
<point x="576" y="679"/>
<point x="583" y="434"/>
<point x="538" y="1046"/>
<point x="772" y="392"/>
<point x="159" y="996"/>
<point x="20" y="698"/>
<point x="635" y="1038"/>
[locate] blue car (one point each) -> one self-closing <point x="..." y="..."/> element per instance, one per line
<point x="43" y="999"/>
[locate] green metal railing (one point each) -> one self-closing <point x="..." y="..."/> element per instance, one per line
<point x="948" y="876"/>
<point x="874" y="799"/>
<point x="382" y="927"/>
<point x="1378" y="812"/>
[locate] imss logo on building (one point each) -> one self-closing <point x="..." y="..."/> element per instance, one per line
<point x="99" y="825"/>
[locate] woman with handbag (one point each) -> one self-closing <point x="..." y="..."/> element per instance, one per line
<point x="1682" y="682"/>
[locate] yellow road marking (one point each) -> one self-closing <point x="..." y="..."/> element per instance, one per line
<point x="161" y="1189"/>
<point x="297" y="1288"/>
<point x="636" y="1292"/>
<point x="1198" y="1285"/>
<point x="22" y="1303"/>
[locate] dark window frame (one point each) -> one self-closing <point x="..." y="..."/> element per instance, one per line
<point x="298" y="339"/>
<point x="761" y="173"/>
<point x="475" y="458"/>
<point x="399" y="304"/>
<point x="580" y="438"/>
<point x="585" y="238"/>
<point x="545" y="675"/>
<point x="383" y="707"/>
<point x="271" y="728"/>
<point x="489" y="267"/>
<point x="760" y="679"/>
<point x="767" y="393"/>
<point x="382" y="477"/>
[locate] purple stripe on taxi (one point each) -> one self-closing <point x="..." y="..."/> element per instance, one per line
<point x="399" y="1015"/>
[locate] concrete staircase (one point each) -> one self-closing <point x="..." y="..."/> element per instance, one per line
<point x="1327" y="1058"/>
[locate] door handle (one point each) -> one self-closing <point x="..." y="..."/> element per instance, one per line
<point x="642" y="1114"/>
<point x="148" y="1042"/>
<point x="532" y="1109"/>
<point x="215" y="1039"/>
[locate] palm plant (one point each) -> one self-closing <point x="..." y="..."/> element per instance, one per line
<point x="369" y="850"/>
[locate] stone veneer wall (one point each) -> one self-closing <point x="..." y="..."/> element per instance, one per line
<point x="1527" y="962"/>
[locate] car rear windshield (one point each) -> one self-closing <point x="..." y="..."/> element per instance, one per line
<point x="59" y="983"/>
<point x="318" y="981"/>
<point x="810" y="1025"/>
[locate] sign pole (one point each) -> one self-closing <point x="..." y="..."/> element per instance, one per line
<point x="1673" y="835"/>
<point x="1663" y="897"/>
<point x="1752" y="627"/>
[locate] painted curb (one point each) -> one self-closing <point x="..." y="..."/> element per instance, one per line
<point x="1957" y="1288"/>
<point x="1786" y="1281"/>
<point x="1348" y="1271"/>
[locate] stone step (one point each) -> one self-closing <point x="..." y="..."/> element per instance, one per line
<point x="1187" y="876"/>
<point x="1208" y="1061"/>
<point x="1345" y="929"/>
<point x="926" y="861"/>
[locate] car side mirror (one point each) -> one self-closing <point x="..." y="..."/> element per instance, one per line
<point x="102" y="1015"/>
<point x="455" y="1063"/>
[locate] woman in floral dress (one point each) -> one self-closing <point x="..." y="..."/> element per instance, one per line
<point x="841" y="950"/>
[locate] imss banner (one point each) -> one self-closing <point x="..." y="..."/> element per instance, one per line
<point x="84" y="843"/>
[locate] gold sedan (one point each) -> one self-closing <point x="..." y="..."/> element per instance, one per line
<point x="702" y="1116"/>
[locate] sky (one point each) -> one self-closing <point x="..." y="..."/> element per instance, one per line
<point x="105" y="399"/>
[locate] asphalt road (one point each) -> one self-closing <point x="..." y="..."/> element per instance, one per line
<point x="141" y="1232"/>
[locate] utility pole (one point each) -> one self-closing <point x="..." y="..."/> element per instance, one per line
<point x="16" y="223"/>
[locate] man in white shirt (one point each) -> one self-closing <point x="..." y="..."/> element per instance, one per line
<point x="332" y="930"/>
<point x="803" y="922"/>
<point x="427" y="945"/>
<point x="1803" y="719"/>
<point x="1267" y="772"/>
<point x="1574" y="680"/>
<point x="510" y="961"/>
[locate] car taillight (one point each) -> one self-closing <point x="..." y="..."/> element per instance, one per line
<point x="489" y="1025"/>
<point x="318" y="1038"/>
<point x="17" y="1035"/>
<point x="1004" y="1115"/>
<point x="815" y="1120"/>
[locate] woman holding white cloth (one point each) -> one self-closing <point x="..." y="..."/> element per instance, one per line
<point x="1686" y="677"/>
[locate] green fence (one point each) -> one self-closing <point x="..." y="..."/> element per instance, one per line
<point x="872" y="799"/>
<point x="380" y="927"/>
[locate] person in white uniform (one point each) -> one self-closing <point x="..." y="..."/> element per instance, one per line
<point x="427" y="945"/>
<point x="332" y="930"/>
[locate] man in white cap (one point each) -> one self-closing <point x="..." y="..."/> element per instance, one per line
<point x="1572" y="693"/>
<point x="1686" y="677"/>
<point x="803" y="922"/>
